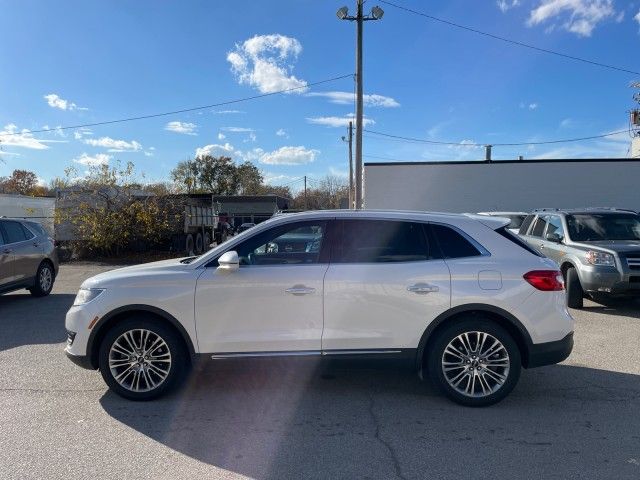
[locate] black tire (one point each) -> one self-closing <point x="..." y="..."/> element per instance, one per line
<point x="188" y="244"/>
<point x="575" y="294"/>
<point x="436" y="357"/>
<point x="178" y="367"/>
<point x="199" y="243"/>
<point x="42" y="286"/>
<point x="207" y="241"/>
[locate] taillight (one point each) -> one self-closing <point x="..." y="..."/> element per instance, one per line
<point x="545" y="280"/>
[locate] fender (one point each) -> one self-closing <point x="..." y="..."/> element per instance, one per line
<point x="92" y="353"/>
<point x="472" y="307"/>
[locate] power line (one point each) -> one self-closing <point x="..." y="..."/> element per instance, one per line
<point x="184" y="110"/>
<point x="475" y="144"/>
<point x="508" y="40"/>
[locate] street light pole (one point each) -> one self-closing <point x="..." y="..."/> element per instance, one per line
<point x="351" y="199"/>
<point x="360" y="18"/>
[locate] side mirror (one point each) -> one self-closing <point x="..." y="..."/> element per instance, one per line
<point x="229" y="261"/>
<point x="554" y="237"/>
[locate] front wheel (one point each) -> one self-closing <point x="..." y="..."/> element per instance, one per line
<point x="575" y="294"/>
<point x="141" y="359"/>
<point x="474" y="362"/>
<point x="44" y="280"/>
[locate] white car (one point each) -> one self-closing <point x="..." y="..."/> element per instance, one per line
<point x="455" y="296"/>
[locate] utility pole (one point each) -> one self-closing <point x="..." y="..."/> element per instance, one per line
<point x="360" y="18"/>
<point x="349" y="140"/>
<point x="487" y="153"/>
<point x="305" y="193"/>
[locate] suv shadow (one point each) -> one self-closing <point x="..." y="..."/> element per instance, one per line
<point x="304" y="419"/>
<point x="26" y="320"/>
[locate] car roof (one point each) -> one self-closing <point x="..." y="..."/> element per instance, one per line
<point x="497" y="214"/>
<point x="585" y="210"/>
<point x="492" y="222"/>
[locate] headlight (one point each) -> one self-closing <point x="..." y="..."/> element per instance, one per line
<point x="600" y="258"/>
<point x="85" y="295"/>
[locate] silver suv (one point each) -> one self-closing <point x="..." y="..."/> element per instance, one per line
<point x="27" y="257"/>
<point x="598" y="250"/>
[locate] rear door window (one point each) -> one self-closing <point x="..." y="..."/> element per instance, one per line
<point x="14" y="231"/>
<point x="538" y="227"/>
<point x="380" y="241"/>
<point x="452" y="243"/>
<point x="526" y="224"/>
<point x="555" y="225"/>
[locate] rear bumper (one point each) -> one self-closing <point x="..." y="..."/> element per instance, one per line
<point x="549" y="353"/>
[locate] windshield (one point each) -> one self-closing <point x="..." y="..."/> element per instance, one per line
<point x="604" y="226"/>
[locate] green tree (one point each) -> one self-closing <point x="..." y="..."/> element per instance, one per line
<point x="250" y="179"/>
<point x="21" y="182"/>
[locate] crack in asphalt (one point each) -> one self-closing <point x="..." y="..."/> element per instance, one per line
<point x="378" y="437"/>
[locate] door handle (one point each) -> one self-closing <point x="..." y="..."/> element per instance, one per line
<point x="300" y="290"/>
<point x="423" y="288"/>
<point x="542" y="245"/>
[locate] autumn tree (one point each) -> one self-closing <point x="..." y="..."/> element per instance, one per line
<point x="22" y="182"/>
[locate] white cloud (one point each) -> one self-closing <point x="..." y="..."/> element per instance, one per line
<point x="533" y="106"/>
<point x="93" y="161"/>
<point x="251" y="138"/>
<point x="567" y="123"/>
<point x="637" y="17"/>
<point x="580" y="16"/>
<point x="55" y="101"/>
<point x="181" y="127"/>
<point x="250" y="155"/>
<point x="614" y="146"/>
<point x="226" y="112"/>
<point x="347" y="98"/>
<point x="339" y="172"/>
<point x="221" y="136"/>
<point x="236" y="129"/>
<point x="281" y="132"/>
<point x="505" y="5"/>
<point x="265" y="62"/>
<point x="114" y="145"/>
<point x="338" y="121"/>
<point x="82" y="132"/>
<point x="289" y="156"/>
<point x="215" y="150"/>
<point x="10" y="136"/>
<point x="274" y="178"/>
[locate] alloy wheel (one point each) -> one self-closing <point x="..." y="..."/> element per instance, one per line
<point x="139" y="360"/>
<point x="475" y="364"/>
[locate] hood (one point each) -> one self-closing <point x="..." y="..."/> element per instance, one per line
<point x="619" y="246"/>
<point x="134" y="273"/>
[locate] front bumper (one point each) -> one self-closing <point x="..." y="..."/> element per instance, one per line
<point x="81" y="360"/>
<point x="609" y="280"/>
<point x="549" y="353"/>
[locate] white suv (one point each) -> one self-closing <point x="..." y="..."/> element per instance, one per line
<point x="456" y="296"/>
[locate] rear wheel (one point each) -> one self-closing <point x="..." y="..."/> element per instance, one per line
<point x="474" y="362"/>
<point x="207" y="241"/>
<point x="199" y="243"/>
<point x="44" y="280"/>
<point x="575" y="294"/>
<point x="141" y="359"/>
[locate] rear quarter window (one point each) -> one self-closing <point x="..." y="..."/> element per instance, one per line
<point x="526" y="224"/>
<point x="517" y="240"/>
<point x="453" y="244"/>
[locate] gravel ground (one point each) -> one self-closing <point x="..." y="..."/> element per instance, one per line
<point x="301" y="419"/>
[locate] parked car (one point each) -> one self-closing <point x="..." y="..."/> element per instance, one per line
<point x="245" y="226"/>
<point x="597" y="249"/>
<point x="516" y="218"/>
<point x="27" y="257"/>
<point x="457" y="297"/>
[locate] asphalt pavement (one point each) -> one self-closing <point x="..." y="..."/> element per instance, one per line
<point x="275" y="419"/>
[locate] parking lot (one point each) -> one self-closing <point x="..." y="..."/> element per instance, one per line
<point x="301" y="419"/>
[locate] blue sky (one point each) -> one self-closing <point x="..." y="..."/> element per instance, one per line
<point x="74" y="62"/>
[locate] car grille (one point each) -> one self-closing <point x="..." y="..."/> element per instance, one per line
<point x="633" y="261"/>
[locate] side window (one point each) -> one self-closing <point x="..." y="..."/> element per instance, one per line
<point x="452" y="243"/>
<point x="28" y="234"/>
<point x="381" y="241"/>
<point x="555" y="225"/>
<point x="14" y="231"/>
<point x="538" y="228"/>
<point x="296" y="243"/>
<point x="525" y="225"/>
<point x="2" y="242"/>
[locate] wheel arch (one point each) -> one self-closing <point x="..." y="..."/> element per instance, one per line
<point x="113" y="317"/>
<point x="503" y="318"/>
